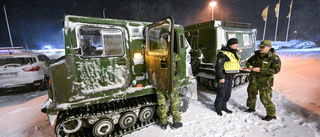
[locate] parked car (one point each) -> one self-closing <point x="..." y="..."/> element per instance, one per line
<point x="276" y="47"/>
<point x="304" y="45"/>
<point x="23" y="68"/>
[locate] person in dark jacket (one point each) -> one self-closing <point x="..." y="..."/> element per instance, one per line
<point x="227" y="65"/>
<point x="263" y="65"/>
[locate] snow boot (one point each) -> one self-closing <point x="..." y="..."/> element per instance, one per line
<point x="163" y="126"/>
<point x="177" y="125"/>
<point x="227" y="110"/>
<point x="219" y="112"/>
<point x="268" y="118"/>
<point x="250" y="110"/>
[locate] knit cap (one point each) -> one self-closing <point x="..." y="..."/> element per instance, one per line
<point x="232" y="41"/>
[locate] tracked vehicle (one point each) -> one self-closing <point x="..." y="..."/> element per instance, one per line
<point x="105" y="84"/>
<point x="206" y="40"/>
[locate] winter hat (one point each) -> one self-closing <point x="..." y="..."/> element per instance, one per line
<point x="265" y="43"/>
<point x="232" y="41"/>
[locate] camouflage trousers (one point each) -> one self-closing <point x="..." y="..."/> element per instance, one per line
<point x="265" y="97"/>
<point x="174" y="106"/>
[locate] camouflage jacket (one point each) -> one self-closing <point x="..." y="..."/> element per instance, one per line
<point x="269" y="65"/>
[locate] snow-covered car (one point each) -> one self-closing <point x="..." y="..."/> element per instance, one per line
<point x="304" y="45"/>
<point x="276" y="47"/>
<point x="24" y="68"/>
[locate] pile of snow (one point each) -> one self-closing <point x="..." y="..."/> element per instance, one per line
<point x="52" y="53"/>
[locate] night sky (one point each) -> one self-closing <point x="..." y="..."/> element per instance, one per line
<point x="39" y="22"/>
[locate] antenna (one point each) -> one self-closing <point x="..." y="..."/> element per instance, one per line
<point x="5" y="13"/>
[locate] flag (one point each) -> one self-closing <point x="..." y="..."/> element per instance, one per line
<point x="265" y="13"/>
<point x="290" y="10"/>
<point x="277" y="9"/>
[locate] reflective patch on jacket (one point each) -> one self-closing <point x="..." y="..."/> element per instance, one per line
<point x="233" y="65"/>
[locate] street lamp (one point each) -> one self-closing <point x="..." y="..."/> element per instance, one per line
<point x="103" y="12"/>
<point x="295" y="34"/>
<point x="212" y="4"/>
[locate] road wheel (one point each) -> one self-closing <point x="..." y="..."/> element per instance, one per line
<point x="183" y="104"/>
<point x="72" y="126"/>
<point x="44" y="83"/>
<point x="243" y="79"/>
<point x="195" y="65"/>
<point x="103" y="127"/>
<point x="146" y="114"/>
<point x="127" y="120"/>
<point x="237" y="81"/>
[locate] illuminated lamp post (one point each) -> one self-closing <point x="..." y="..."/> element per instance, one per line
<point x="212" y="4"/>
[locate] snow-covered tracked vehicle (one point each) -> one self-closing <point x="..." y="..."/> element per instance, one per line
<point x="105" y="85"/>
<point x="206" y="40"/>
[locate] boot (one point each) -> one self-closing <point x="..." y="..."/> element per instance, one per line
<point x="219" y="112"/>
<point x="227" y="110"/>
<point x="163" y="126"/>
<point x="250" y="110"/>
<point x="177" y="125"/>
<point x="268" y="118"/>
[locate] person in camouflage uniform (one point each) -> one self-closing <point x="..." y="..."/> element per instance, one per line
<point x="174" y="99"/>
<point x="263" y="65"/>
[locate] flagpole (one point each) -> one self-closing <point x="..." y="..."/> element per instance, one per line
<point x="265" y="25"/>
<point x="275" y="35"/>
<point x="288" y="23"/>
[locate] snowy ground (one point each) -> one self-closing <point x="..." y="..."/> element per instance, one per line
<point x="297" y="82"/>
<point x="201" y="120"/>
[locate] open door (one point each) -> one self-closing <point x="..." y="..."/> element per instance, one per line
<point x="159" y="54"/>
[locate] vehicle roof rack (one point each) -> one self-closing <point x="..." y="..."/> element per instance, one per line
<point x="6" y="48"/>
<point x="216" y="23"/>
<point x="236" y="24"/>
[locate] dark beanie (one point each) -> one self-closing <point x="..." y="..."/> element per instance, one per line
<point x="232" y="41"/>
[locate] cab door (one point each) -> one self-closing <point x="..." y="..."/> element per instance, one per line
<point x="159" y="54"/>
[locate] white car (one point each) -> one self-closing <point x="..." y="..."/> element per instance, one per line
<point x="276" y="47"/>
<point x="23" y="68"/>
<point x="304" y="45"/>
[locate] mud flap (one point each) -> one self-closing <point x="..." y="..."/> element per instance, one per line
<point x="52" y="118"/>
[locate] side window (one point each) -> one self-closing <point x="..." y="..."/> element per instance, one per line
<point x="97" y="42"/>
<point x="181" y="41"/>
<point x="231" y="35"/>
<point x="246" y="40"/>
<point x="46" y="58"/>
<point x="113" y="42"/>
<point x="40" y="57"/>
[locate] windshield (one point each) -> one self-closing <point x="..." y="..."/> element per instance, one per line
<point x="158" y="40"/>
